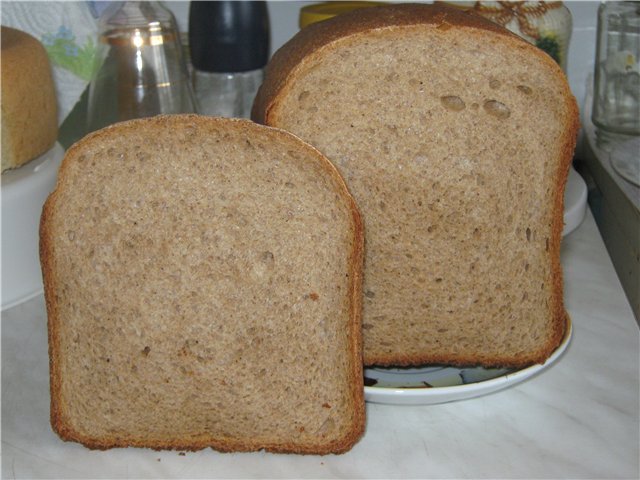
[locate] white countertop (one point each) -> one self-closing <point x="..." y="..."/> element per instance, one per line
<point x="578" y="419"/>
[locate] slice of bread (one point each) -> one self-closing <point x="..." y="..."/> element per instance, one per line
<point x="455" y="137"/>
<point x="203" y="287"/>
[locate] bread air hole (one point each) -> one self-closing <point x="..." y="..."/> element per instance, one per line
<point x="525" y="89"/>
<point x="453" y="103"/>
<point x="327" y="426"/>
<point x="497" y="109"/>
<point x="392" y="77"/>
<point x="415" y="83"/>
<point x="303" y="95"/>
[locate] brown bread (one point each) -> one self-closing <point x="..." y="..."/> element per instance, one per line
<point x="203" y="288"/>
<point x="28" y="105"/>
<point x="455" y="137"/>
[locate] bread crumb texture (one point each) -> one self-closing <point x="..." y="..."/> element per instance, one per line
<point x="198" y="278"/>
<point x="455" y="143"/>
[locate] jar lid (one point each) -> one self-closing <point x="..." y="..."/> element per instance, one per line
<point x="228" y="36"/>
<point x="323" y="11"/>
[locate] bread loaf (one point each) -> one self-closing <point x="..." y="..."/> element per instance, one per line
<point x="203" y="288"/>
<point x="28" y="100"/>
<point x="455" y="137"/>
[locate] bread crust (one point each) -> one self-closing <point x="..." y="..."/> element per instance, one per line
<point x="58" y="416"/>
<point x="294" y="58"/>
<point x="29" y="105"/>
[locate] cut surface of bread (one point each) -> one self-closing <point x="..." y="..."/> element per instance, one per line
<point x="455" y="137"/>
<point x="203" y="288"/>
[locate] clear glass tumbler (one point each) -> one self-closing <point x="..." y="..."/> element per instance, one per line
<point x="142" y="70"/>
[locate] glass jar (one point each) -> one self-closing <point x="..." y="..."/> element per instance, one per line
<point x="616" y="96"/>
<point x="325" y="10"/>
<point x="547" y="25"/>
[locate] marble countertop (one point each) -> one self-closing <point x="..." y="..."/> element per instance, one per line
<point x="578" y="419"/>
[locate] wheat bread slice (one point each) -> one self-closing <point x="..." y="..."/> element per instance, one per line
<point x="455" y="137"/>
<point x="203" y="289"/>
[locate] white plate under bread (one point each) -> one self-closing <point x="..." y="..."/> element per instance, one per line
<point x="432" y="385"/>
<point x="575" y="202"/>
<point x="24" y="191"/>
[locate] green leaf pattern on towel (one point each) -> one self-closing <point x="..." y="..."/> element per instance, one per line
<point x="66" y="53"/>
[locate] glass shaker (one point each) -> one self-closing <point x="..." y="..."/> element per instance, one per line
<point x="616" y="96"/>
<point x="142" y="70"/>
<point x="229" y="45"/>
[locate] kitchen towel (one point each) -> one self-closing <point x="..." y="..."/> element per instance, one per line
<point x="68" y="31"/>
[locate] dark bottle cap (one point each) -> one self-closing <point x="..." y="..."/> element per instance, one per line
<point x="228" y="36"/>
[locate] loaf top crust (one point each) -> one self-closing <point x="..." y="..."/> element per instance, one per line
<point x="28" y="99"/>
<point x="313" y="38"/>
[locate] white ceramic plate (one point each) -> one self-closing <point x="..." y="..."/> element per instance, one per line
<point x="433" y="385"/>
<point x="24" y="191"/>
<point x="575" y="202"/>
